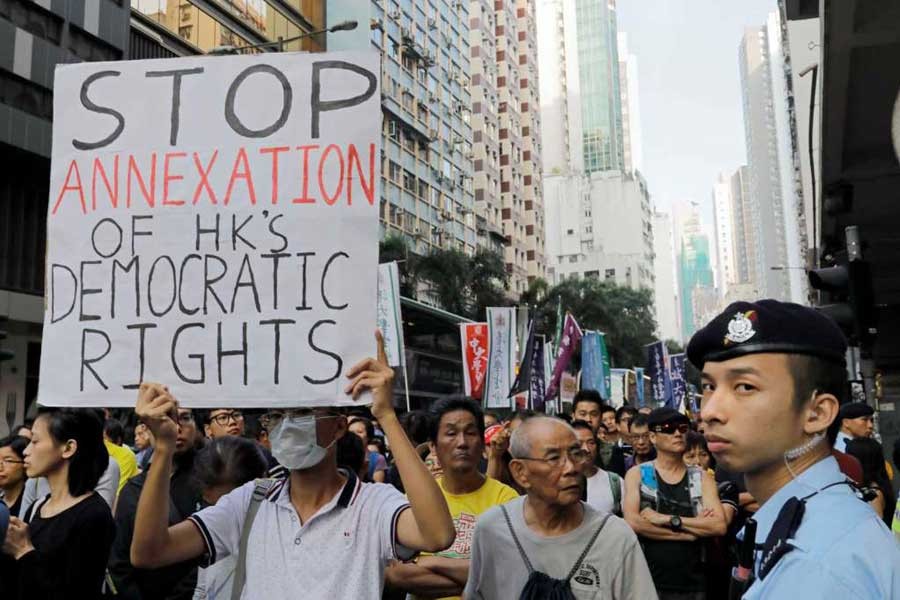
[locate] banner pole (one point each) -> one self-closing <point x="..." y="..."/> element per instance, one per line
<point x="406" y="386"/>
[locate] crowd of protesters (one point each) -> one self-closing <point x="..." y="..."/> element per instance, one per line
<point x="452" y="502"/>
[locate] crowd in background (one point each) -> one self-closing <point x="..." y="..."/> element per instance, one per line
<point x="536" y="485"/>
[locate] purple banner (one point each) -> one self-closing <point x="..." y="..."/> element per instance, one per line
<point x="571" y="335"/>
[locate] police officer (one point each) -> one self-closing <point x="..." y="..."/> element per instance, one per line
<point x="773" y="376"/>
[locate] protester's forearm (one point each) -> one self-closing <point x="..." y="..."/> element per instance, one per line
<point x="151" y="522"/>
<point x="421" y="581"/>
<point x="645" y="528"/>
<point x="494" y="467"/>
<point x="456" y="569"/>
<point x="714" y="526"/>
<point x="428" y="505"/>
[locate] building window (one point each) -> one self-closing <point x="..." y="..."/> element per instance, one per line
<point x="610" y="274"/>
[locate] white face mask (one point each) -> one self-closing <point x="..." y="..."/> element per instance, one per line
<point x="294" y="443"/>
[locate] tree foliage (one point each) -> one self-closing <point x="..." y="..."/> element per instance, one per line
<point x="458" y="283"/>
<point x="623" y="314"/>
<point x="396" y="248"/>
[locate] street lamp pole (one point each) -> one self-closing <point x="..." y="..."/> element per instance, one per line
<point x="342" y="26"/>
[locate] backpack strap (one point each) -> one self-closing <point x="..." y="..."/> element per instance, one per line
<point x="516" y="539"/>
<point x="261" y="489"/>
<point x="615" y="485"/>
<point x="588" y="547"/>
<point x="649" y="485"/>
<point x="695" y="488"/>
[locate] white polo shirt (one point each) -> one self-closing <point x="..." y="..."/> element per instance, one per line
<point x="340" y="552"/>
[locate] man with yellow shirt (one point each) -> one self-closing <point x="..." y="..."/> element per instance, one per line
<point x="457" y="433"/>
<point x="114" y="438"/>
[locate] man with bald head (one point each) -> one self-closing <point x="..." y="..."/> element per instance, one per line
<point x="550" y="532"/>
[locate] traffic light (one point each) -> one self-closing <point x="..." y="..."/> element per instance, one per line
<point x="846" y="292"/>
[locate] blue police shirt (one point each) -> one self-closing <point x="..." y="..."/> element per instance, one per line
<point x="842" y="548"/>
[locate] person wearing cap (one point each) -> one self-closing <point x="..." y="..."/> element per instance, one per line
<point x="319" y="534"/>
<point x="857" y="421"/>
<point x="457" y="434"/>
<point x="671" y="506"/>
<point x="773" y="376"/>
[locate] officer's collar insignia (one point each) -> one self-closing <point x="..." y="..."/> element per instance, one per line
<point x="740" y="328"/>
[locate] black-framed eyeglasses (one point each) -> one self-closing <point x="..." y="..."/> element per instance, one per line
<point x="185" y="418"/>
<point x="670" y="428"/>
<point x="576" y="455"/>
<point x="8" y="462"/>
<point x="223" y="418"/>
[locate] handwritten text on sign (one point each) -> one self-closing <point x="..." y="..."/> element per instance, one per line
<point x="212" y="225"/>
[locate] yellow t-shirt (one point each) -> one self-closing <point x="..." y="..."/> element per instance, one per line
<point x="127" y="463"/>
<point x="465" y="508"/>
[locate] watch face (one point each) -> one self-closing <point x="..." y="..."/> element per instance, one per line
<point x="676" y="522"/>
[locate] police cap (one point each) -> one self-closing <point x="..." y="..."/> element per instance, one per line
<point x="767" y="326"/>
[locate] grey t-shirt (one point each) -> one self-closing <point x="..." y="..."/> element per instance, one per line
<point x="613" y="569"/>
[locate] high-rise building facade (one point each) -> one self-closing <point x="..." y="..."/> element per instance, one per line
<point x="427" y="177"/>
<point x="631" y="113"/>
<point x="37" y="36"/>
<point x="665" y="290"/>
<point x="697" y="292"/>
<point x="598" y="209"/>
<point x="191" y="27"/>
<point x="600" y="226"/>
<point x="744" y="234"/>
<point x="506" y="132"/>
<point x="774" y="194"/>
<point x="581" y="96"/>
<point x="723" y="224"/>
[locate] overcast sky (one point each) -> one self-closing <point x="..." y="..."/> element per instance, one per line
<point x="690" y="93"/>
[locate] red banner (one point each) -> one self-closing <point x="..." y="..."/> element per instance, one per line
<point x="474" y="338"/>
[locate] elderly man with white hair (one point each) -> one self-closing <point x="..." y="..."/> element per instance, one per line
<point x="549" y="540"/>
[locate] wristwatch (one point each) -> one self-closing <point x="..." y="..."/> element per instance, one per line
<point x="675" y="523"/>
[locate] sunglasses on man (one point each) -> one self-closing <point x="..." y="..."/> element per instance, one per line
<point x="670" y="428"/>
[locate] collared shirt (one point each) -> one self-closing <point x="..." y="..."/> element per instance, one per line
<point x="842" y="548"/>
<point x="840" y="443"/>
<point x="340" y="552"/>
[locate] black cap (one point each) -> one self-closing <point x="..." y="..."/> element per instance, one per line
<point x="661" y="416"/>
<point x="855" y="410"/>
<point x="767" y="326"/>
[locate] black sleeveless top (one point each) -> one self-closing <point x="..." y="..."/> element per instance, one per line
<point x="675" y="566"/>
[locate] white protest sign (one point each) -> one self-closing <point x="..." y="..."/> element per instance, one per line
<point x="212" y="225"/>
<point x="389" y="320"/>
<point x="501" y="370"/>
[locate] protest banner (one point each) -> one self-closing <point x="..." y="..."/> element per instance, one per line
<point x="568" y="387"/>
<point x="658" y="371"/>
<point x="501" y="370"/>
<point x="212" y="225"/>
<point x="538" y="374"/>
<point x="388" y="313"/>
<point x="522" y="382"/>
<point x="679" y="385"/>
<point x="592" y="376"/>
<point x="639" y="386"/>
<point x="474" y="337"/>
<point x="618" y="379"/>
<point x="571" y="336"/>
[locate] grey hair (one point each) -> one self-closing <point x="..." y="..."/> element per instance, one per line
<point x="520" y="441"/>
